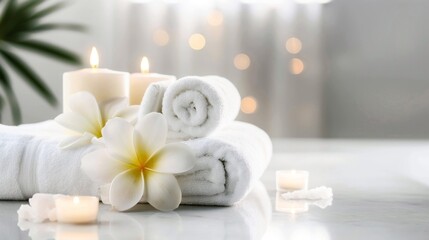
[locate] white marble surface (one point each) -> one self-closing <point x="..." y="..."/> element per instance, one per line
<point x="381" y="191"/>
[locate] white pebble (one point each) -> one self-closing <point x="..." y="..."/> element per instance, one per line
<point x="312" y="194"/>
<point x="41" y="208"/>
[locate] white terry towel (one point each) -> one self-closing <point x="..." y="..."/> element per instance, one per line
<point x="31" y="162"/>
<point x="152" y="98"/>
<point x="228" y="164"/>
<point x="196" y="106"/>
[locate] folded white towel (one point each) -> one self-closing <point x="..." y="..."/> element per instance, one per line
<point x="152" y="98"/>
<point x="196" y="106"/>
<point x="229" y="164"/>
<point x="32" y="162"/>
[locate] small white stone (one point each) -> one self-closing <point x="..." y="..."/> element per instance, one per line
<point x="41" y="208"/>
<point x="312" y="194"/>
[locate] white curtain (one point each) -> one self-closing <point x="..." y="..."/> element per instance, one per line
<point x="287" y="104"/>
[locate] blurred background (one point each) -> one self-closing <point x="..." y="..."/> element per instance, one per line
<point x="305" y="68"/>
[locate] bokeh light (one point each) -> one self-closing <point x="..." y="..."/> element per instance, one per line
<point x="161" y="37"/>
<point x="197" y="41"/>
<point x="249" y="105"/>
<point x="293" y="45"/>
<point x="241" y="61"/>
<point x="296" y="66"/>
<point x="215" y="18"/>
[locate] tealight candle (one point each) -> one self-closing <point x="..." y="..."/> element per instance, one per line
<point x="104" y="84"/>
<point x="290" y="206"/>
<point x="290" y="180"/>
<point x="76" y="209"/>
<point x="139" y="82"/>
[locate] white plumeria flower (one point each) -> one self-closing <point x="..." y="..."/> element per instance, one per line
<point x="86" y="117"/>
<point x="136" y="162"/>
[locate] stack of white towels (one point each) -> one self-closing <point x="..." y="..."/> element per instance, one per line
<point x="231" y="155"/>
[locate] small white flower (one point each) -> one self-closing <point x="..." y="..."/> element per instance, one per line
<point x="136" y="162"/>
<point x="86" y="117"/>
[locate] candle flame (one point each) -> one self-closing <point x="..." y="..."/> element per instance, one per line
<point x="144" y="65"/>
<point x="76" y="200"/>
<point x="93" y="59"/>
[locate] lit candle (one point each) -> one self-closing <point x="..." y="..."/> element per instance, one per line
<point x="103" y="83"/>
<point x="289" y="180"/>
<point x="140" y="81"/>
<point x="76" y="209"/>
<point x="290" y="206"/>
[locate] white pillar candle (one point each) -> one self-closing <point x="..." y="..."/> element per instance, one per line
<point x="290" y="180"/>
<point x="76" y="209"/>
<point x="139" y="82"/>
<point x="104" y="84"/>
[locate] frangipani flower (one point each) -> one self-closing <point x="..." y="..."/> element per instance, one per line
<point x="137" y="163"/>
<point x="86" y="117"/>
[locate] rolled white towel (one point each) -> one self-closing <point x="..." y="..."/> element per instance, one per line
<point x="152" y="99"/>
<point x="196" y="106"/>
<point x="229" y="163"/>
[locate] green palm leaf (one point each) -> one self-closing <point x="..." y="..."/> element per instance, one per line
<point x="50" y="50"/>
<point x="45" y="12"/>
<point x="1" y="107"/>
<point x="58" y="26"/>
<point x="20" y="21"/>
<point x="28" y="75"/>
<point x="13" y="101"/>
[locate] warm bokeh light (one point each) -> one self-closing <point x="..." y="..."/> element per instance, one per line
<point x="296" y="66"/>
<point x="241" y="61"/>
<point x="293" y="45"/>
<point x="161" y="37"/>
<point x="215" y="18"/>
<point x="94" y="59"/>
<point x="144" y="65"/>
<point x="197" y="41"/>
<point x="249" y="105"/>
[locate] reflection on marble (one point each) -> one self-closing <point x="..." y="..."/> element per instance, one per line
<point x="247" y="220"/>
<point x="310" y="232"/>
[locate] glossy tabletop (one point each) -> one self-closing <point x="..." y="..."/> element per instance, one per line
<point x="381" y="191"/>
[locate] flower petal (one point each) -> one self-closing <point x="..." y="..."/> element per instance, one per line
<point x="118" y="138"/>
<point x="173" y="158"/>
<point x="129" y="114"/>
<point x="76" y="122"/>
<point x="127" y="189"/>
<point x="101" y="167"/>
<point x="109" y="109"/>
<point x="104" y="191"/>
<point x="162" y="190"/>
<point x="150" y="135"/>
<point x="76" y="141"/>
<point x="85" y="104"/>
